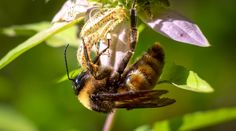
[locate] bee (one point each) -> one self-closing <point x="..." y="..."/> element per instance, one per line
<point x="130" y="89"/>
<point x="127" y="87"/>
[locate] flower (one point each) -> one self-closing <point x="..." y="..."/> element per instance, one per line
<point x="154" y="13"/>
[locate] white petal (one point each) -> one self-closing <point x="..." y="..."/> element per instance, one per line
<point x="72" y="10"/>
<point x="177" y="27"/>
<point x="122" y="45"/>
<point x="105" y="58"/>
<point x="118" y="47"/>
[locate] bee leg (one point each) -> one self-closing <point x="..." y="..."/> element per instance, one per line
<point x="96" y="59"/>
<point x="97" y="47"/>
<point x="133" y="26"/>
<point x="92" y="67"/>
<point x="101" y="72"/>
<point x="132" y="39"/>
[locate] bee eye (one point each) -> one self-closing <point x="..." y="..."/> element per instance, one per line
<point x="79" y="82"/>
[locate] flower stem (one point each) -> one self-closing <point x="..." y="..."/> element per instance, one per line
<point x="109" y="121"/>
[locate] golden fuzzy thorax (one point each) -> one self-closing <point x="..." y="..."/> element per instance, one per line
<point x="84" y="94"/>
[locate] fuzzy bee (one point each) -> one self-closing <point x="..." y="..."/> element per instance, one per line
<point x="130" y="88"/>
<point x="106" y="88"/>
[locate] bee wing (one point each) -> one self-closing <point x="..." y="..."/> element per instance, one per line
<point x="131" y="95"/>
<point x="140" y="103"/>
<point x="137" y="99"/>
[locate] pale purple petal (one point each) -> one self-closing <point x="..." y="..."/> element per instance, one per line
<point x="177" y="27"/>
<point x="71" y="10"/>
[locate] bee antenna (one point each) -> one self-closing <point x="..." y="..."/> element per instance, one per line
<point x="65" y="58"/>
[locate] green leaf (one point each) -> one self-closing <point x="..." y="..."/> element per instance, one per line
<point x="196" y="120"/>
<point x="183" y="78"/>
<point x="67" y="36"/>
<point x="143" y="128"/>
<point x="35" y="40"/>
<point x="12" y="121"/>
<point x="141" y="27"/>
<point x="72" y="74"/>
<point x="25" y="30"/>
<point x="57" y="40"/>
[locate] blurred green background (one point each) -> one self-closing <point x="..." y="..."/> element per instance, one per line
<point x="28" y="87"/>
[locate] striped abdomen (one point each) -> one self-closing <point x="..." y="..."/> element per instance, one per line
<point x="144" y="74"/>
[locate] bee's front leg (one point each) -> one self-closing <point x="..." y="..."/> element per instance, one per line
<point x="96" y="59"/>
<point x="93" y="66"/>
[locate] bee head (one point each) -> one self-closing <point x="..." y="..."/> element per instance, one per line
<point x="79" y="82"/>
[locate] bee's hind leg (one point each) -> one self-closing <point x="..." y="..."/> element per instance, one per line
<point x="132" y="39"/>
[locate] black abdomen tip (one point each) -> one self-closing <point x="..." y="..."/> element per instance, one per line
<point x="157" y="52"/>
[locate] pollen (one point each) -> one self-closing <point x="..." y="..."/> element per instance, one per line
<point x="101" y="18"/>
<point x="97" y="27"/>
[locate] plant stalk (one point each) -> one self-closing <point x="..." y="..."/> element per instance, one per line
<point x="109" y="121"/>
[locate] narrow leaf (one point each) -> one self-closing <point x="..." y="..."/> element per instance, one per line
<point x="67" y="36"/>
<point x="196" y="120"/>
<point x="72" y="74"/>
<point x="12" y="121"/>
<point x="35" y="40"/>
<point x="57" y="40"/>
<point x="25" y="30"/>
<point x="183" y="78"/>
